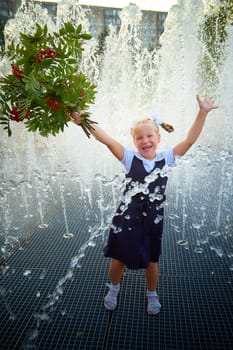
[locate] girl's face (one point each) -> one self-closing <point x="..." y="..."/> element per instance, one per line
<point x="146" y="139"/>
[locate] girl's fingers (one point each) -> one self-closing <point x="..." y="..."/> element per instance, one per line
<point x="76" y="116"/>
<point x="207" y="100"/>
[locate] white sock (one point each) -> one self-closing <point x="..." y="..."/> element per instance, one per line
<point x="115" y="287"/>
<point x="151" y="293"/>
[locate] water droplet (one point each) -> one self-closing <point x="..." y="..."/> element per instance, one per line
<point x="91" y="244"/>
<point x="182" y="242"/>
<point x="215" y="233"/>
<point x="158" y="219"/>
<point x="27" y="273"/>
<point x="173" y="216"/>
<point x="198" y="250"/>
<point x="196" y="226"/>
<point x="68" y="235"/>
<point x="27" y="216"/>
<point x="43" y="226"/>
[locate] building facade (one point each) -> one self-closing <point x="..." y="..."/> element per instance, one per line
<point x="7" y="10"/>
<point x="99" y="18"/>
<point x="151" y="27"/>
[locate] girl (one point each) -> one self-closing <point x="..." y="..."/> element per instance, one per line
<point x="136" y="231"/>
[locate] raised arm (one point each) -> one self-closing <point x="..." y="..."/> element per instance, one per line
<point x="102" y="136"/>
<point x="205" y="106"/>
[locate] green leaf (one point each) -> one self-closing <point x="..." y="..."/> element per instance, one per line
<point x="71" y="61"/>
<point x="69" y="27"/>
<point x="62" y="31"/>
<point x="86" y="36"/>
<point x="9" y="132"/>
<point x="79" y="29"/>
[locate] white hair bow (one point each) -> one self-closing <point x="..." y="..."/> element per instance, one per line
<point x="156" y="119"/>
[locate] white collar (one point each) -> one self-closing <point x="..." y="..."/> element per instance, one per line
<point x="159" y="156"/>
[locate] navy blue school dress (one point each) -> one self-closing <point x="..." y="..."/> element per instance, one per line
<point x="136" y="232"/>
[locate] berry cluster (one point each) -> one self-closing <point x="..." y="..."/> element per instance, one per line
<point x="45" y="54"/>
<point x="15" y="114"/>
<point x="53" y="104"/>
<point x="45" y="84"/>
<point x="17" y="71"/>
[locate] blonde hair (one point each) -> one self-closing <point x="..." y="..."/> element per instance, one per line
<point x="147" y="120"/>
<point x="144" y="120"/>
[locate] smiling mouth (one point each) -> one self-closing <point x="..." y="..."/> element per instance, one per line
<point x="145" y="148"/>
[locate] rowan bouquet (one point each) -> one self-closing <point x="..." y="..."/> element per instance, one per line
<point x="46" y="84"/>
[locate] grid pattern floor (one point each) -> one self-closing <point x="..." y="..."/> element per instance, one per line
<point x="45" y="304"/>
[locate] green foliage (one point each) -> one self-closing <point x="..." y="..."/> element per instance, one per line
<point x="214" y="36"/>
<point x="46" y="84"/>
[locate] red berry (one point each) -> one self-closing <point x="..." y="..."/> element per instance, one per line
<point x="17" y="71"/>
<point x="53" y="104"/>
<point x="15" y="115"/>
<point x="46" y="53"/>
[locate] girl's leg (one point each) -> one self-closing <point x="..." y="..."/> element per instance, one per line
<point x="152" y="276"/>
<point x="116" y="270"/>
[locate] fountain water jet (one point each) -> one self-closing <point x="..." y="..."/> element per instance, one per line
<point x="140" y="83"/>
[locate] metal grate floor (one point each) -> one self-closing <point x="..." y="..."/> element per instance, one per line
<point x="195" y="292"/>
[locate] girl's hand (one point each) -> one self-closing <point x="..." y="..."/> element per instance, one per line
<point x="76" y="117"/>
<point x="206" y="103"/>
